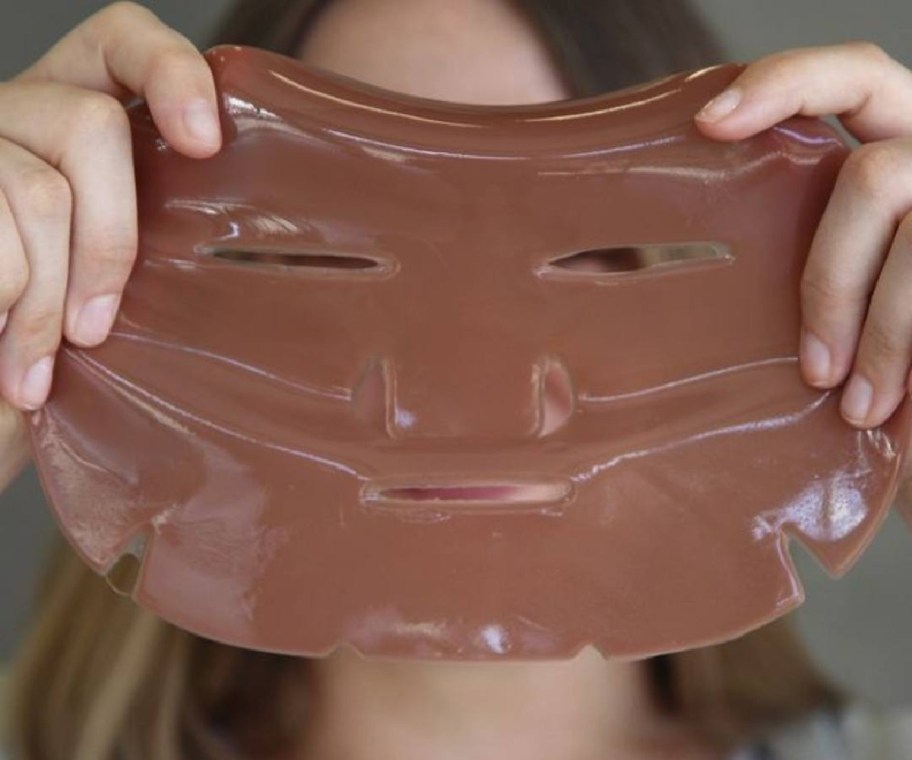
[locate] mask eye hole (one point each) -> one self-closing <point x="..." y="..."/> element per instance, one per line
<point x="289" y="258"/>
<point x="637" y="258"/>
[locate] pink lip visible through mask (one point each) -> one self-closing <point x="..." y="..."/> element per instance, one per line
<point x="355" y="333"/>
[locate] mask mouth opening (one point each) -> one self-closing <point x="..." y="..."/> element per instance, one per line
<point x="500" y="493"/>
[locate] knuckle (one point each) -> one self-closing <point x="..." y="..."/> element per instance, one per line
<point x="778" y="56"/>
<point x="109" y="253"/>
<point x="40" y="326"/>
<point x="868" y="48"/>
<point x="789" y="57"/>
<point x="13" y="281"/>
<point x="780" y="66"/>
<point x="821" y="292"/>
<point x="871" y="168"/>
<point x="174" y="59"/>
<point x="125" y="10"/>
<point x="45" y="192"/>
<point x="879" y="344"/>
<point x="97" y="113"/>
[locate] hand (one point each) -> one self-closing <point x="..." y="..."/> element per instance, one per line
<point x="856" y="288"/>
<point x="68" y="226"/>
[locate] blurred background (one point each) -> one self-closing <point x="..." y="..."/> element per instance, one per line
<point x="859" y="628"/>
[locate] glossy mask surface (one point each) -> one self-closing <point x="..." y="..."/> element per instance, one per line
<point x="357" y="298"/>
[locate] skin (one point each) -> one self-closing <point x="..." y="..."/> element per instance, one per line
<point x="68" y="237"/>
<point x="585" y="708"/>
<point x="475" y="51"/>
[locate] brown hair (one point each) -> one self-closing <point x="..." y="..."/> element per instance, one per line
<point x="98" y="678"/>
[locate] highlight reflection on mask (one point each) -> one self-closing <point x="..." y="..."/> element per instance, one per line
<point x="365" y="295"/>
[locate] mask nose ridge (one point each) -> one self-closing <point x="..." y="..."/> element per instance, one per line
<point x="556" y="395"/>
<point x="465" y="401"/>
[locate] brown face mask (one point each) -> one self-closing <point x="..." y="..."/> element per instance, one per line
<point x="465" y="382"/>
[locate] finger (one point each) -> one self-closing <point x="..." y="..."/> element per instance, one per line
<point x="878" y="381"/>
<point x="86" y="135"/>
<point x="104" y="231"/>
<point x="870" y="91"/>
<point x="40" y="200"/>
<point x="873" y="192"/>
<point x="13" y="264"/>
<point x="125" y="49"/>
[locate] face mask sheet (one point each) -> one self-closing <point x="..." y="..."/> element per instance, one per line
<point x="464" y="382"/>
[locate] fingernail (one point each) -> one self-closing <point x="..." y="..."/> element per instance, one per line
<point x="202" y="122"/>
<point x="3" y="317"/>
<point x="721" y="105"/>
<point x="37" y="383"/>
<point x="815" y="357"/>
<point x="856" y="400"/>
<point x="94" y="320"/>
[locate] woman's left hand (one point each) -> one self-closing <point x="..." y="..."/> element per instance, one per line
<point x="856" y="288"/>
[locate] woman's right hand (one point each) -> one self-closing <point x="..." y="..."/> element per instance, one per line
<point x="68" y="222"/>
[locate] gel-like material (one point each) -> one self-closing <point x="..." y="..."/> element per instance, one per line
<point x="464" y="382"/>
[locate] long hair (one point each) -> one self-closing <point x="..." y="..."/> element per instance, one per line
<point x="98" y="678"/>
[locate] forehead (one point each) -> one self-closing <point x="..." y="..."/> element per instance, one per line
<point x="473" y="51"/>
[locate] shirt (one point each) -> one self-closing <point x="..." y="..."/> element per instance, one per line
<point x="858" y="732"/>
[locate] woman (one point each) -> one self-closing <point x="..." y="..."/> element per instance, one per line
<point x="98" y="678"/>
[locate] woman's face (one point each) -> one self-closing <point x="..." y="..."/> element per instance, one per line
<point x="473" y="51"/>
